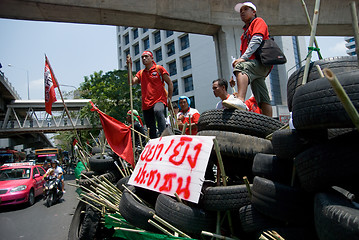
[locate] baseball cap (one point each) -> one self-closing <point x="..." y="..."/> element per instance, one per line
<point x="237" y="8"/>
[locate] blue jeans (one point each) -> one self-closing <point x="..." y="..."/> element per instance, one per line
<point x="156" y="113"/>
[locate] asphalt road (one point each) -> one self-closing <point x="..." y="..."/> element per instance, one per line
<point x="39" y="222"/>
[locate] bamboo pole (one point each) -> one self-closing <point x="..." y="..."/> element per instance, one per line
<point x="245" y="179"/>
<point x="118" y="167"/>
<point x="343" y="97"/>
<point x="184" y="128"/>
<point x="169" y="225"/>
<point x="310" y="25"/>
<point x="129" y="69"/>
<point x="190" y="124"/>
<point x="216" y="235"/>
<point x="220" y="162"/>
<point x="355" y="27"/>
<point x="159" y="227"/>
<point x="311" y="40"/>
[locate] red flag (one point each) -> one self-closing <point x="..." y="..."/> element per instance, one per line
<point x="74" y="142"/>
<point x="50" y="85"/>
<point x="118" y="135"/>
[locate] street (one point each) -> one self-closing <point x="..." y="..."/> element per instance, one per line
<point x="38" y="221"/>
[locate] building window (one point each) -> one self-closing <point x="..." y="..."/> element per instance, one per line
<point x="137" y="66"/>
<point x="125" y="28"/>
<point x="188" y="83"/>
<point x="119" y="39"/>
<point x="158" y="54"/>
<point x="175" y="88"/>
<point x="275" y="86"/>
<point x="144" y="30"/>
<point x="193" y="103"/>
<point x="157" y="37"/>
<point x="146" y="43"/>
<point x="186" y="63"/>
<point x="184" y="42"/>
<point x="172" y="68"/>
<point x="169" y="33"/>
<point x="119" y="51"/>
<point x="171" y="49"/>
<point x="135" y="33"/>
<point x="136" y="49"/>
<point x="127" y="51"/>
<point x="126" y="39"/>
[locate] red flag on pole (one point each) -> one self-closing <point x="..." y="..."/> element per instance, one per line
<point x="50" y="85"/>
<point x="74" y="142"/>
<point x="118" y="135"/>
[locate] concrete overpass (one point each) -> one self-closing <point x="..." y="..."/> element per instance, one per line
<point x="209" y="17"/>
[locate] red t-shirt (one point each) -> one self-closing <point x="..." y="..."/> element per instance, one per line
<point x="256" y="27"/>
<point x="152" y="86"/>
<point x="253" y="105"/>
<point x="194" y="119"/>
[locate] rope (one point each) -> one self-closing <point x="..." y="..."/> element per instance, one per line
<point x="311" y="49"/>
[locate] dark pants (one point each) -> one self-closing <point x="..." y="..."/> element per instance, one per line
<point x="156" y="113"/>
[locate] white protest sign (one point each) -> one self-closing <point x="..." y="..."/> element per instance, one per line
<point x="174" y="164"/>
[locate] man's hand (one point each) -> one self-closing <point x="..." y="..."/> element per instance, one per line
<point x="232" y="83"/>
<point x="128" y="60"/>
<point x="235" y="62"/>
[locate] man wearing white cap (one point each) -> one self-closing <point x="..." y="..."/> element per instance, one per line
<point x="247" y="69"/>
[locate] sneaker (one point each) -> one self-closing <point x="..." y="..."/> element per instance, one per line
<point x="235" y="103"/>
<point x="64" y="192"/>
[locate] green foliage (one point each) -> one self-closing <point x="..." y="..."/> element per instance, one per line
<point x="110" y="92"/>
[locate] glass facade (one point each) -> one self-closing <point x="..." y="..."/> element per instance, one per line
<point x="188" y="83"/>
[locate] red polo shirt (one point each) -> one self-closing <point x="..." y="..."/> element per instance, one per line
<point x="256" y="27"/>
<point x="194" y="119"/>
<point x="152" y="86"/>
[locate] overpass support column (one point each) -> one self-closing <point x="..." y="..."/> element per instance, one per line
<point x="227" y="43"/>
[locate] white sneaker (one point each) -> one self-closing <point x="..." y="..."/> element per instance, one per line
<point x="235" y="103"/>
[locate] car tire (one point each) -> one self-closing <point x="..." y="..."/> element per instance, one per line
<point x="316" y="106"/>
<point x="101" y="163"/>
<point x="191" y="220"/>
<point x="335" y="217"/>
<point x="31" y="197"/>
<point x="50" y="200"/>
<point x="90" y="223"/>
<point x="223" y="198"/>
<point x="233" y="120"/>
<point x="77" y="221"/>
<point x="336" y="64"/>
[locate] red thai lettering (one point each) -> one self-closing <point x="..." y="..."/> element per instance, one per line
<point x="167" y="185"/>
<point x="172" y="141"/>
<point x="152" y="177"/>
<point x="148" y="159"/>
<point x="176" y="151"/>
<point x="185" y="191"/>
<point x="193" y="162"/>
<point x="158" y="180"/>
<point x="140" y="177"/>
<point x="160" y="147"/>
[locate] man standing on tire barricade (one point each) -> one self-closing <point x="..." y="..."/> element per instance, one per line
<point x="154" y="95"/>
<point x="247" y="69"/>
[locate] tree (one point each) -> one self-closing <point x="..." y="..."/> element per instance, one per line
<point x="110" y="92"/>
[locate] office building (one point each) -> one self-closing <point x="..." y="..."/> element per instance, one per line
<point x="350" y="45"/>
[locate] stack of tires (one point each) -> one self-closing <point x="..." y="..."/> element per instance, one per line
<point x="86" y="222"/>
<point x="305" y="189"/>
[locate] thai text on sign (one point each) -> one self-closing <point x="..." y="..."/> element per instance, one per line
<point x="174" y="164"/>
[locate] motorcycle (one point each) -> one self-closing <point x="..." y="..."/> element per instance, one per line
<point x="52" y="193"/>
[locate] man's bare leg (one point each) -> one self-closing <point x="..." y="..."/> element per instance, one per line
<point x="242" y="85"/>
<point x="266" y="109"/>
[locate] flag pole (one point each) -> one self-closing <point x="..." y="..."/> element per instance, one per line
<point x="129" y="69"/>
<point x="63" y="101"/>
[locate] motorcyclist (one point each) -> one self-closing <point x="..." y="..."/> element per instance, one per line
<point x="58" y="172"/>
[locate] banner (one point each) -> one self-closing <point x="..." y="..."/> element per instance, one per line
<point x="174" y="164"/>
<point x="118" y="135"/>
<point x="50" y="85"/>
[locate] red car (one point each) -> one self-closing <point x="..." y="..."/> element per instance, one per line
<point x="20" y="183"/>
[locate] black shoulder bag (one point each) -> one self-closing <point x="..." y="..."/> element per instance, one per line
<point x="269" y="53"/>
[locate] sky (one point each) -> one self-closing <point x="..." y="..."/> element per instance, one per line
<point x="74" y="51"/>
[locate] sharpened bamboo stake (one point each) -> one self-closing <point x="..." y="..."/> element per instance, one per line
<point x="134" y="195"/>
<point x="129" y="229"/>
<point x="118" y="167"/>
<point x="169" y="225"/>
<point x="245" y="179"/>
<point x="343" y="97"/>
<point x="89" y="204"/>
<point x="220" y="162"/>
<point x="184" y="128"/>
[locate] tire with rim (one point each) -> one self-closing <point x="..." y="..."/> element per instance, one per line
<point x="233" y="120"/>
<point x="335" y="217"/>
<point x="280" y="201"/>
<point x="191" y="220"/>
<point x="77" y="221"/>
<point x="31" y="198"/>
<point x="223" y="198"/>
<point x="332" y="163"/>
<point x="50" y="200"/>
<point x="316" y="106"/>
<point x="336" y="64"/>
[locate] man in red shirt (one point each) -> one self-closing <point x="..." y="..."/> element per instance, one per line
<point x="247" y="69"/>
<point x="185" y="114"/>
<point x="154" y="95"/>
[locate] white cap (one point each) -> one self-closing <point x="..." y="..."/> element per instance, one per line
<point x="248" y="4"/>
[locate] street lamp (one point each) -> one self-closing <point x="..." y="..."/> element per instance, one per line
<point x="28" y="83"/>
